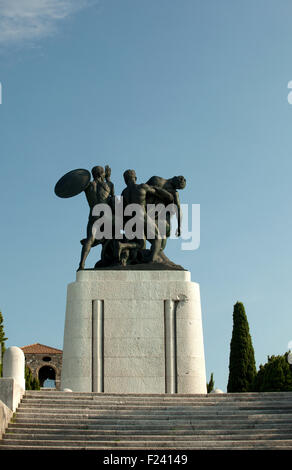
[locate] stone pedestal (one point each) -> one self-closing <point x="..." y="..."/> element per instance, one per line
<point x="131" y="331"/>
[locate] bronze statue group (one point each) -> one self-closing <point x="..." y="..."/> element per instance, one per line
<point x="153" y="202"/>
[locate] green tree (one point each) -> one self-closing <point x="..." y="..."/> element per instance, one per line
<point x="210" y="384"/>
<point x="274" y="376"/>
<point x="31" y="382"/>
<point x="2" y="342"/>
<point x="242" y="367"/>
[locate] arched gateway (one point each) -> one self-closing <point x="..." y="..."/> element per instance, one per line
<point x="45" y="363"/>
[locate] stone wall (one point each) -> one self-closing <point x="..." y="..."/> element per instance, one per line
<point x="5" y="417"/>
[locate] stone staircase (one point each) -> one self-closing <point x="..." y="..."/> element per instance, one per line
<point x="77" y="421"/>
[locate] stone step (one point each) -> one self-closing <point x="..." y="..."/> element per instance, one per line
<point x="172" y="431"/>
<point x="121" y="411"/>
<point x="159" y="395"/>
<point x="133" y="444"/>
<point x="230" y="406"/>
<point x="150" y="419"/>
<point x="94" y="404"/>
<point x="161" y="447"/>
<point x="175" y="425"/>
<point x="171" y="396"/>
<point x="169" y="399"/>
<point x="150" y="410"/>
<point x="144" y="404"/>
<point x="154" y="403"/>
<point x="132" y="449"/>
<point x="99" y="417"/>
<point x="159" y="427"/>
<point x="142" y="435"/>
<point x="172" y="399"/>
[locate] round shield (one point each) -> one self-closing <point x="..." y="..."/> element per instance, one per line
<point x="72" y="183"/>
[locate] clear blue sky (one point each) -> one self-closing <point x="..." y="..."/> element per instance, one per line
<point x="192" y="87"/>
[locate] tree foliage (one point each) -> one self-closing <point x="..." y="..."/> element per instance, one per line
<point x="242" y="367"/>
<point x="2" y="342"/>
<point x="31" y="382"/>
<point x="210" y="384"/>
<point x="274" y="376"/>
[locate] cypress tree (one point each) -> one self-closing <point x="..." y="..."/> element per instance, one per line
<point x="2" y="342"/>
<point x="242" y="367"/>
<point x="210" y="384"/>
<point x="31" y="382"/>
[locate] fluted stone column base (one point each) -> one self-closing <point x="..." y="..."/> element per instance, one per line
<point x="131" y="331"/>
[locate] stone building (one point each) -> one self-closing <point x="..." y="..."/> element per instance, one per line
<point x="45" y="363"/>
